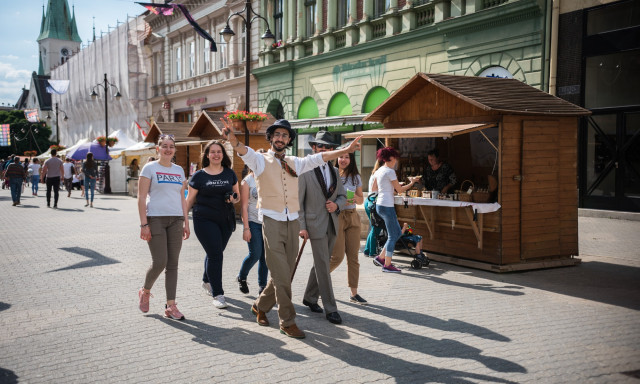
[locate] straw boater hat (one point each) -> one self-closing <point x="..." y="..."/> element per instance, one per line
<point x="324" y="137"/>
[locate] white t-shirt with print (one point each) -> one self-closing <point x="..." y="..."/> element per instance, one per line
<point x="164" y="197"/>
<point x="384" y="176"/>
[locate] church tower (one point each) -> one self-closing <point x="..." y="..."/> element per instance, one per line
<point x="58" y="36"/>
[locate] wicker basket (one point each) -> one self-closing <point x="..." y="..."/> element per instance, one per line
<point x="462" y="193"/>
<point x="481" y="197"/>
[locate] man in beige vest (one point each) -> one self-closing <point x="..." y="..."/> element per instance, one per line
<point x="276" y="179"/>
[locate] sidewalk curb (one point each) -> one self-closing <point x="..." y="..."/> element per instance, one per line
<point x="602" y="214"/>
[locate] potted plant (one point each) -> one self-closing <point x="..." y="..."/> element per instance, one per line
<point x="111" y="141"/>
<point x="57" y="147"/>
<point x="30" y="153"/>
<point x="254" y="120"/>
<point x="102" y="140"/>
<point x="237" y="117"/>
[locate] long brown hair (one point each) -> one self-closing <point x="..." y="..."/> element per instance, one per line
<point x="352" y="169"/>
<point x="89" y="163"/>
<point x="226" y="161"/>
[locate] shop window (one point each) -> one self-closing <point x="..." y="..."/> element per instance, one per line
<point x="343" y="13"/>
<point x="612" y="80"/>
<point x="623" y="14"/>
<point x="310" y="17"/>
<point x="183" y="117"/>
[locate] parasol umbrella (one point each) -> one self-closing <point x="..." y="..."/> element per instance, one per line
<point x="80" y="152"/>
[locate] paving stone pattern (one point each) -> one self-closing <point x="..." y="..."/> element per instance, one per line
<point x="68" y="312"/>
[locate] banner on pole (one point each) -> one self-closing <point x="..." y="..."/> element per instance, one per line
<point x="5" y="135"/>
<point x="32" y="115"/>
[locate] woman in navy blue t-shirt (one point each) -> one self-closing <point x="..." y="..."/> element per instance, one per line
<point x="212" y="192"/>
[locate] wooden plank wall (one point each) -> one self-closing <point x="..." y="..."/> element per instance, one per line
<point x="459" y="241"/>
<point x="539" y="208"/>
<point x="509" y="190"/>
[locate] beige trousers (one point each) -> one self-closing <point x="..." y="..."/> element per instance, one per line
<point x="281" y="249"/>
<point x="348" y="241"/>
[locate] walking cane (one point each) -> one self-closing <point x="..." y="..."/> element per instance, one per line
<point x="298" y="259"/>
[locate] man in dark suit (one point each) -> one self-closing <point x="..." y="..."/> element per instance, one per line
<point x="321" y="195"/>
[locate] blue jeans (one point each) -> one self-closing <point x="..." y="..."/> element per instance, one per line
<point x="256" y="255"/>
<point x="89" y="185"/>
<point x="388" y="214"/>
<point x="214" y="236"/>
<point x="371" y="246"/>
<point x="35" y="179"/>
<point x="15" y="183"/>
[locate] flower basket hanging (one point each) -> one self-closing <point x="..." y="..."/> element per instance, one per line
<point x="57" y="147"/>
<point x="254" y="125"/>
<point x="102" y="140"/>
<point x="237" y="119"/>
<point x="111" y="141"/>
<point x="30" y="153"/>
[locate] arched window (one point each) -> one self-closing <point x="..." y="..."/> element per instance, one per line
<point x="308" y="109"/>
<point x="374" y="98"/>
<point x="275" y="108"/>
<point x="339" y="105"/>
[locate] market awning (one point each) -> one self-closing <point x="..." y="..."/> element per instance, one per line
<point x="331" y="121"/>
<point x="432" y="131"/>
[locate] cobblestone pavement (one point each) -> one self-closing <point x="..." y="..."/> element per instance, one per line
<point x="68" y="312"/>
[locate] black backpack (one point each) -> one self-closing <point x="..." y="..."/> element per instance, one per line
<point x="374" y="218"/>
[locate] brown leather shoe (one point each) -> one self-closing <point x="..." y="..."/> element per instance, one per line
<point x="261" y="317"/>
<point x="292" y="331"/>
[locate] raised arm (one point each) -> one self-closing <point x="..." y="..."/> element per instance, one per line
<point x="354" y="146"/>
<point x="227" y="134"/>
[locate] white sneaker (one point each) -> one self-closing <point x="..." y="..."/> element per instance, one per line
<point x="219" y="302"/>
<point x="207" y="288"/>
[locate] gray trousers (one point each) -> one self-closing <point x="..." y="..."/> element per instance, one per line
<point x="319" y="284"/>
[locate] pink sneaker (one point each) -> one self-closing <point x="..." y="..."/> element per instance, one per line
<point x="144" y="300"/>
<point x="391" y="268"/>
<point x="172" y="312"/>
<point x="378" y="261"/>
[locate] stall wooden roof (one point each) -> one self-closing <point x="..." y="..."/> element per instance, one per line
<point x="431" y="131"/>
<point x="178" y="130"/>
<point x="507" y="96"/>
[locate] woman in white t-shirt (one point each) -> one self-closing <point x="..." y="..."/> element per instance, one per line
<point x="34" y="167"/>
<point x="386" y="183"/>
<point x="164" y="222"/>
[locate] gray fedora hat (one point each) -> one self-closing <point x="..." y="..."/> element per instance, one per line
<point x="324" y="137"/>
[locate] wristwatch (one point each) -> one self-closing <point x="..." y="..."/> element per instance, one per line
<point x="144" y="225"/>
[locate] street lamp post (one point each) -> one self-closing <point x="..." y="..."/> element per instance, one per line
<point x="268" y="38"/>
<point x="57" y="127"/>
<point x="105" y="85"/>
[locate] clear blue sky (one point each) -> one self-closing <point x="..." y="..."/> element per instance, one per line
<point x="20" y="26"/>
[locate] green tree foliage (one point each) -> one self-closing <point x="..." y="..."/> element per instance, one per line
<point x="23" y="134"/>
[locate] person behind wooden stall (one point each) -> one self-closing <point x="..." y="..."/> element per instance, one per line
<point x="438" y="175"/>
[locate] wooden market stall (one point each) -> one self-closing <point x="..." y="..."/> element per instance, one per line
<point x="488" y="129"/>
<point x="188" y="148"/>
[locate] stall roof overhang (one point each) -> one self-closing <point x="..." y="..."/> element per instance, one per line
<point x="414" y="132"/>
<point x="505" y="96"/>
<point x="331" y="121"/>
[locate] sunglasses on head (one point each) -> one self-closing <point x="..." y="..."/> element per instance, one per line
<point x="325" y="146"/>
<point x="165" y="136"/>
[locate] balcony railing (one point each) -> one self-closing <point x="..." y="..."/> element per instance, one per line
<point x="492" y="3"/>
<point x="341" y="39"/>
<point x="425" y="15"/>
<point x="379" y="28"/>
